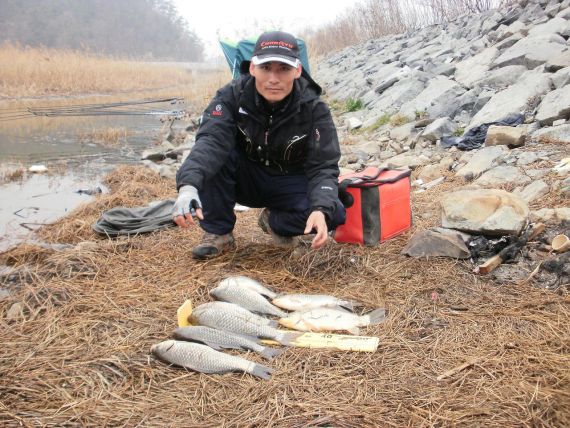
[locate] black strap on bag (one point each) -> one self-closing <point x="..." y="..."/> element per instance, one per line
<point x="366" y="181"/>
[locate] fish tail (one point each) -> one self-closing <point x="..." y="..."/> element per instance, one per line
<point x="288" y="338"/>
<point x="261" y="371"/>
<point x="377" y="316"/>
<point x="270" y="353"/>
<point x="351" y="305"/>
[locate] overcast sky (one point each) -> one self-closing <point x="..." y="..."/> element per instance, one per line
<point x="234" y="19"/>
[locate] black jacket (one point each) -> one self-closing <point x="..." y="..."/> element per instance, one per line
<point x="296" y="137"/>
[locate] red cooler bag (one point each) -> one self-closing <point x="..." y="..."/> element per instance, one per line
<point x="377" y="205"/>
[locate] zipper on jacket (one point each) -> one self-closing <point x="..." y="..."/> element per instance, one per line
<point x="267" y="140"/>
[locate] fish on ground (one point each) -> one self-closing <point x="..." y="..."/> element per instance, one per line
<point x="329" y="319"/>
<point x="218" y="340"/>
<point x="303" y="302"/>
<point x="252" y="284"/>
<point x="231" y="307"/>
<point x="232" y="318"/>
<point x="245" y="297"/>
<point x="204" y="359"/>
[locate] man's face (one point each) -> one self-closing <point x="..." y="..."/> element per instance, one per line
<point x="274" y="80"/>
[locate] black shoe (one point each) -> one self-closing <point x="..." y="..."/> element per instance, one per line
<point x="213" y="245"/>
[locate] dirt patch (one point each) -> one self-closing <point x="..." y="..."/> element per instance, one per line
<point x="79" y="354"/>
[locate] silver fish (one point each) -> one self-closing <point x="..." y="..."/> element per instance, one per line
<point x="231" y="307"/>
<point x="246" y="298"/>
<point x="228" y="317"/>
<point x="303" y="302"/>
<point x="329" y="319"/>
<point x="252" y="284"/>
<point x="218" y="340"/>
<point x="202" y="358"/>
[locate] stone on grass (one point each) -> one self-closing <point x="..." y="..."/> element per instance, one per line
<point x="506" y="136"/>
<point x="484" y="211"/>
<point x="437" y="243"/>
<point x="533" y="191"/>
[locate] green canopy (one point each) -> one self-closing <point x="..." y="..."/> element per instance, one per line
<point x="236" y="52"/>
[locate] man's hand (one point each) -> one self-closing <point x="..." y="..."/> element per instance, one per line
<point x="182" y="211"/>
<point x="317" y="222"/>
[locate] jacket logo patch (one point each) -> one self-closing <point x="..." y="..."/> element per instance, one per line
<point x="217" y="110"/>
<point x="242" y="111"/>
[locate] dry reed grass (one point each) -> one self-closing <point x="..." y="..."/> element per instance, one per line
<point x="32" y="72"/>
<point x="372" y="19"/>
<point x="80" y="353"/>
<point x="105" y="137"/>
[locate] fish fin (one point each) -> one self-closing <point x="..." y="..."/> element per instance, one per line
<point x="273" y="324"/>
<point x="354" y="330"/>
<point x="271" y="353"/>
<point x="343" y="309"/>
<point x="288" y="338"/>
<point x="377" y="316"/>
<point x="261" y="371"/>
<point x="351" y="305"/>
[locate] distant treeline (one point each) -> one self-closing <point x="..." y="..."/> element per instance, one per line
<point x="145" y="29"/>
<point x="372" y="19"/>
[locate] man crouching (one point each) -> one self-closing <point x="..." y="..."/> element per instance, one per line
<point x="267" y="141"/>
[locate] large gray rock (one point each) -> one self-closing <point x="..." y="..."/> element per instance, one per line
<point x="531" y="52"/>
<point x="502" y="174"/>
<point x="437" y="243"/>
<point x="560" y="133"/>
<point x="555" y="105"/>
<point x="394" y="97"/>
<point x="401" y="133"/>
<point x="486" y="211"/>
<point x="405" y="160"/>
<point x="475" y="68"/>
<point x="513" y="99"/>
<point x="561" y="77"/>
<point x="438" y="128"/>
<point x="558" y="62"/>
<point x="555" y="25"/>
<point x="505" y="135"/>
<point x="481" y="161"/>
<point x="533" y="191"/>
<point x="502" y="77"/>
<point x="551" y="215"/>
<point x="438" y="99"/>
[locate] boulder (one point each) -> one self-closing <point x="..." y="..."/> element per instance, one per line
<point x="472" y="69"/>
<point x="551" y="215"/>
<point x="401" y="133"/>
<point x="484" y="211"/>
<point x="438" y="128"/>
<point x="430" y="173"/>
<point x="533" y="191"/>
<point x="439" y="98"/>
<point x="404" y="160"/>
<point x="514" y="99"/>
<point x="555" y="105"/>
<point x="502" y="174"/>
<point x="394" y="97"/>
<point x="502" y="77"/>
<point x="505" y="135"/>
<point x="558" y="62"/>
<point x="560" y="133"/>
<point x="353" y="123"/>
<point x="437" y="243"/>
<point x="561" y="77"/>
<point x="554" y="26"/>
<point x="154" y="154"/>
<point x="526" y="158"/>
<point x="531" y="52"/>
<point x="481" y="161"/>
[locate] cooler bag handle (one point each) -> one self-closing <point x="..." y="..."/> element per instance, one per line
<point x="347" y="199"/>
